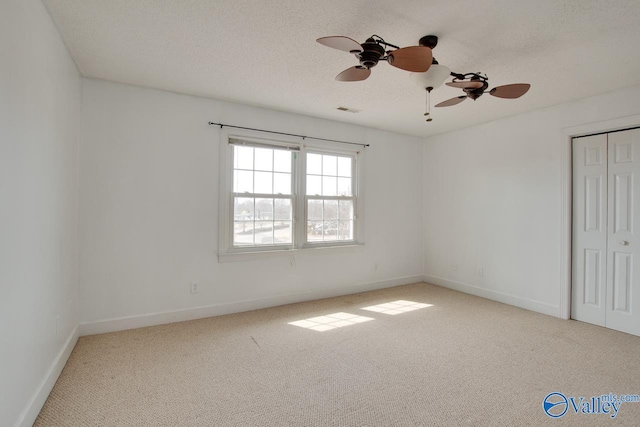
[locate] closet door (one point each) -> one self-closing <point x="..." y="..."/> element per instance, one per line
<point x="589" y="229"/>
<point x="623" y="283"/>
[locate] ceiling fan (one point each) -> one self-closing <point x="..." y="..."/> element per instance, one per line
<point x="475" y="85"/>
<point x="375" y="49"/>
<point x="419" y="60"/>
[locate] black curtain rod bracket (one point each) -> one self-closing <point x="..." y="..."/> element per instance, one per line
<point x="304" y="137"/>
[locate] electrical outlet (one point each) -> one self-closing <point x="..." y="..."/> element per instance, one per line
<point x="454" y="267"/>
<point x="195" y="287"/>
<point x="480" y="271"/>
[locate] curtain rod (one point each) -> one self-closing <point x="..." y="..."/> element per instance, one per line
<point x="287" y="134"/>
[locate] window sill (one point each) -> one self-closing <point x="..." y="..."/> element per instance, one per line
<point x="354" y="247"/>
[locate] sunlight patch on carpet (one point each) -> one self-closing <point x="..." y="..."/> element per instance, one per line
<point x="397" y="307"/>
<point x="330" y="321"/>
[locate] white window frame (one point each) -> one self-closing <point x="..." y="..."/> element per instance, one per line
<point x="226" y="250"/>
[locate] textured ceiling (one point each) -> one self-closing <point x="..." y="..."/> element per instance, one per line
<point x="264" y="52"/>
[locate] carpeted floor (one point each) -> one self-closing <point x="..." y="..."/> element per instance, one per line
<point x="461" y="361"/>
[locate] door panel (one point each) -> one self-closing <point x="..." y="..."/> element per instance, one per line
<point x="589" y="229"/>
<point x="622" y="206"/>
<point x="592" y="286"/>
<point x="623" y="284"/>
<point x="593" y="203"/>
<point x="621" y="281"/>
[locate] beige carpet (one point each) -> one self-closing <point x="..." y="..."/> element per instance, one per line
<point x="462" y="361"/>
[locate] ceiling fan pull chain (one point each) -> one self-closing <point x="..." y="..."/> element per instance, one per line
<point x="428" y="113"/>
<point x="427" y="106"/>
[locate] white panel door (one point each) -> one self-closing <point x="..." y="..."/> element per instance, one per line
<point x="589" y="269"/>
<point x="623" y="283"/>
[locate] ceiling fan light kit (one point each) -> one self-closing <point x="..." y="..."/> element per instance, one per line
<point x="419" y="60"/>
<point x="430" y="80"/>
<point x="434" y="77"/>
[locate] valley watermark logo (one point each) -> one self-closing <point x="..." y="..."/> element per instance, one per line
<point x="556" y="404"/>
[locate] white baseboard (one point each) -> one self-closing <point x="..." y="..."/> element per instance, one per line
<point x="31" y="411"/>
<point x="502" y="297"/>
<point x="153" y="319"/>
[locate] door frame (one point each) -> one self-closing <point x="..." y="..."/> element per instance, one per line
<point x="566" y="221"/>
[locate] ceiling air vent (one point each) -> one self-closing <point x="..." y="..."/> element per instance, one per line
<point x="350" y="110"/>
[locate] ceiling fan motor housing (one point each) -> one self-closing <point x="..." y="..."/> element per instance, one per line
<point x="476" y="93"/>
<point x="371" y="53"/>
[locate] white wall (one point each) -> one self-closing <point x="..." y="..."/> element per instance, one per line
<point x="40" y="94"/>
<point x="486" y="196"/>
<point x="149" y="212"/>
<point x="493" y="197"/>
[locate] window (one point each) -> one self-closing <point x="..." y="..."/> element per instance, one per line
<point x="329" y="197"/>
<point x="262" y="196"/>
<point x="279" y="195"/>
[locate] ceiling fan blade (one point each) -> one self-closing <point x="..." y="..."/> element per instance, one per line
<point x="452" y="101"/>
<point x="354" y="74"/>
<point x="341" y="43"/>
<point x="413" y="58"/>
<point x="469" y="84"/>
<point x="510" y="91"/>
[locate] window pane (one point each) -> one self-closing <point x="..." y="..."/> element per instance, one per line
<point x="243" y="157"/>
<point x="345" y="230"/>
<point x="330" y="230"/>
<point x="282" y="209"/>
<point x="346" y="209"/>
<point x="243" y="209"/>
<point x="314" y="209"/>
<point x="314" y="164"/>
<point x="344" y="166"/>
<point x="243" y="221"/>
<point x="282" y="232"/>
<point x="329" y="185"/>
<point x="264" y="233"/>
<point x="243" y="182"/>
<point x="314" y="185"/>
<point x="330" y="210"/>
<point x="314" y="231"/>
<point x="264" y="209"/>
<point x="264" y="159"/>
<point x="264" y="182"/>
<point x="281" y="161"/>
<point x="329" y="165"/>
<point x="344" y="187"/>
<point x="282" y="183"/>
<point x="242" y="233"/>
